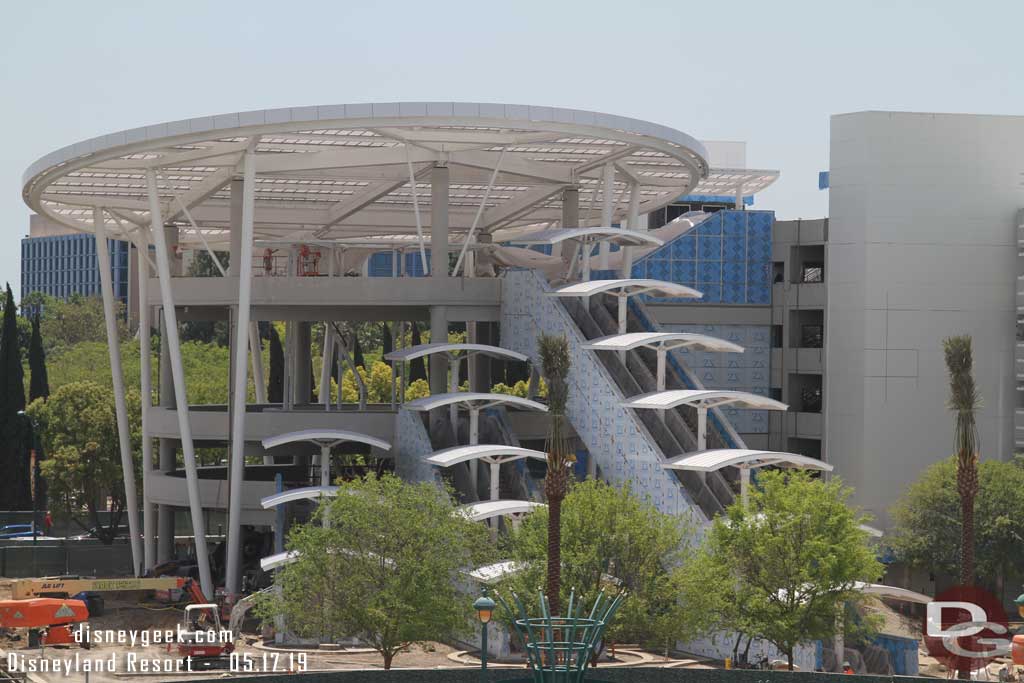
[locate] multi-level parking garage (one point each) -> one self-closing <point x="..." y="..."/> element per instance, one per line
<point x="455" y="214"/>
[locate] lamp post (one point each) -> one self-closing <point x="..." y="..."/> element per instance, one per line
<point x="484" y="607"/>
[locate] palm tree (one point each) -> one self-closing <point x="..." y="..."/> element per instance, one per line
<point x="964" y="401"/>
<point x="554" y="360"/>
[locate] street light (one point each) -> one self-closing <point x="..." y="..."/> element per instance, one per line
<point x="484" y="607"/>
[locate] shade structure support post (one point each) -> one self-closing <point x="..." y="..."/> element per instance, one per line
<point x="325" y="367"/>
<point x="256" y="352"/>
<point x="325" y="479"/>
<point x="243" y="258"/>
<point x="437" y="366"/>
<point x="495" y="474"/>
<point x="146" y="391"/>
<point x="607" y="211"/>
<point x="623" y="318"/>
<point x="120" y="405"/>
<point x="662" y="357"/>
<point x="586" y="249"/>
<point x="180" y="397"/>
<point x="702" y="428"/>
<point x="474" y="439"/>
<point x="633" y="223"/>
<point x="453" y="386"/>
<point x="838" y="643"/>
<point x="745" y="485"/>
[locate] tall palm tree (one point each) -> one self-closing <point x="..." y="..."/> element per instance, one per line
<point x="964" y="401"/>
<point x="554" y="360"/>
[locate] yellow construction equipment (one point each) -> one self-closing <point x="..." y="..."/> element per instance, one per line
<point x="65" y="586"/>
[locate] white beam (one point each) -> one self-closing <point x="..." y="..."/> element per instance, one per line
<point x="515" y="165"/>
<point x="120" y="406"/>
<point x="243" y="258"/>
<point x="198" y="193"/>
<point x="180" y="395"/>
<point x="348" y="157"/>
<point x="513" y="209"/>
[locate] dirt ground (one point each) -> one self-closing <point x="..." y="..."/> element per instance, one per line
<point x="132" y="611"/>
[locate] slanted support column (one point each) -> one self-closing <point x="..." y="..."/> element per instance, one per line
<point x="439" y="177"/>
<point x="166" y="447"/>
<point x="178" y="375"/>
<point x="120" y="406"/>
<point x="607" y="211"/>
<point x="240" y="255"/>
<point x="146" y="391"/>
<point x="570" y="219"/>
<point x="325" y="367"/>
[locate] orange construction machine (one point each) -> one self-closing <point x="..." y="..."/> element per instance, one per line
<point x="50" y="621"/>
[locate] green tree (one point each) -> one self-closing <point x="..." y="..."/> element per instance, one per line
<point x="609" y="532"/>
<point x="79" y="432"/>
<point x="555" y="363"/>
<point x="39" y="385"/>
<point x="385" y="570"/>
<point x="928" y="532"/>
<point x="14" y="461"/>
<point x="786" y="564"/>
<point x="964" y="402"/>
<point x="78" y="319"/>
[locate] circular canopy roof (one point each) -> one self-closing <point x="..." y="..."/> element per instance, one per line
<point x="325" y="172"/>
<point x="668" y="340"/>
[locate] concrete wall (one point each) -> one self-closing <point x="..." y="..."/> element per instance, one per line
<point x="921" y="246"/>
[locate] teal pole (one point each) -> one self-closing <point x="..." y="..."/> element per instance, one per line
<point x="484" y="607"/>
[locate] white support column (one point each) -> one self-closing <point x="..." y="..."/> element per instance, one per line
<point x="474" y="438"/>
<point x="662" y="354"/>
<point x="325" y="479"/>
<point x="586" y="249"/>
<point x="243" y="259"/>
<point x="745" y="485"/>
<point x="607" y="211"/>
<point x="453" y="386"/>
<point x="256" y="351"/>
<point x="146" y="391"/>
<point x="439" y="176"/>
<point x="702" y="428"/>
<point x="120" y="407"/>
<point x="325" y="367"/>
<point x="633" y="223"/>
<point x="495" y="473"/>
<point x="180" y="397"/>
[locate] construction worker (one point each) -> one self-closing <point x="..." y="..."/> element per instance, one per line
<point x="847" y="669"/>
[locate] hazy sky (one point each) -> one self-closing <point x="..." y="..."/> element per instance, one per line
<point x="769" y="73"/>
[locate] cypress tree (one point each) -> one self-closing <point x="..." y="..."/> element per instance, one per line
<point x="417" y="368"/>
<point x="14" y="460"/>
<point x="275" y="390"/>
<point x="39" y="384"/>
<point x="357" y="353"/>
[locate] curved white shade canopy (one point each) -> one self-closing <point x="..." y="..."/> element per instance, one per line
<point x="305" y="493"/>
<point x="628" y="287"/>
<point x="457" y="454"/>
<point x="702" y="398"/>
<point x="421" y="350"/>
<point x="871" y="531"/>
<point x="472" y="400"/>
<point x="716" y="459"/>
<point x="666" y="340"/>
<point x="552" y="236"/>
<point x="478" y="512"/>
<point x="330" y="437"/>
<point x="278" y="560"/>
<point x="493" y="573"/>
<point x="892" y="592"/>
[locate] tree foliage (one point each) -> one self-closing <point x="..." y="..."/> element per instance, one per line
<point x="39" y="384"/>
<point x="928" y="535"/>
<point x="782" y="567"/>
<point x="610" y="532"/>
<point x="78" y="430"/>
<point x="385" y="570"/>
<point x="15" y="493"/>
<point x="79" y="318"/>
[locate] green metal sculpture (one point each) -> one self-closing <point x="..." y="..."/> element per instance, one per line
<point x="558" y="648"/>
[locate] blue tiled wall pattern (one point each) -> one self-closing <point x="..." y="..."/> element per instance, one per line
<point x="747" y="371"/>
<point x="728" y="257"/>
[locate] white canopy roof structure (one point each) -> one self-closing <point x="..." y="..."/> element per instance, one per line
<point x="493" y="573"/>
<point x="892" y="592"/>
<point x="330" y="437"/>
<point x="478" y="512"/>
<point x="716" y="459"/>
<point x="473" y="400"/>
<point x="305" y="493"/>
<point x="279" y="560"/>
<point x="420" y="350"/>
<point x="619" y="236"/>
<point x="488" y="453"/>
<point x="626" y="288"/>
<point x="703" y="398"/>
<point x="871" y="531"/>
<point x="666" y="340"/>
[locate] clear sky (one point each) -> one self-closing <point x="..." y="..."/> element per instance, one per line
<point x="769" y="73"/>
